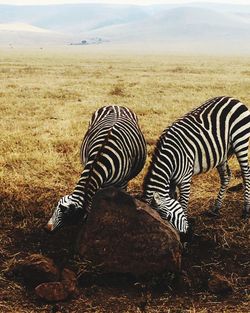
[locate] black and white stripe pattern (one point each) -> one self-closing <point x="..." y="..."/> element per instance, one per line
<point x="201" y="140"/>
<point x="113" y="152"/>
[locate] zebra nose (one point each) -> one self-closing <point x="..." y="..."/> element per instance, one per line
<point x="49" y="227"/>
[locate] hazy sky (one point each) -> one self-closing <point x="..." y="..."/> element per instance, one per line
<point x="23" y="2"/>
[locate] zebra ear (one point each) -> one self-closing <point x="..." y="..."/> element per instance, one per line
<point x="76" y="210"/>
<point x="72" y="206"/>
<point x="156" y="201"/>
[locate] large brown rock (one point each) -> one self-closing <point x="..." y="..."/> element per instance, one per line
<point x="50" y="283"/>
<point x="58" y="291"/>
<point x="127" y="236"/>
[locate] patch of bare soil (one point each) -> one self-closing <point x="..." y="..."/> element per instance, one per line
<point x="219" y="248"/>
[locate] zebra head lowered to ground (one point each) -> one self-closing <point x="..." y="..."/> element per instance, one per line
<point x="170" y="210"/>
<point x="113" y="152"/>
<point x="201" y="140"/>
<point x="68" y="212"/>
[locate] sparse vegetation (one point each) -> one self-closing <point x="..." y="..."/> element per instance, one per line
<point x="46" y="100"/>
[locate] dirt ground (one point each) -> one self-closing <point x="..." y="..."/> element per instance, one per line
<point x="219" y="245"/>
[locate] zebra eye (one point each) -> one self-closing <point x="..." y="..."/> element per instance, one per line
<point x="72" y="206"/>
<point x="62" y="208"/>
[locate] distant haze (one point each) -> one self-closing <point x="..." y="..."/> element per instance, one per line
<point x="192" y="25"/>
<point x="137" y="2"/>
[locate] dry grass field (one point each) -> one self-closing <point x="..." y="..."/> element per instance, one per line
<point x="46" y="101"/>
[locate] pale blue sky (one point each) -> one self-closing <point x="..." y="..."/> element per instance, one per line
<point x="139" y="2"/>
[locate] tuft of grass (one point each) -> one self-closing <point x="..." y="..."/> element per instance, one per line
<point x="118" y="91"/>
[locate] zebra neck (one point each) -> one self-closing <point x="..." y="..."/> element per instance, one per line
<point x="87" y="186"/>
<point x="78" y="199"/>
<point x="158" y="178"/>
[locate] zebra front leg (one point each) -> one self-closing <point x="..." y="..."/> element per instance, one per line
<point x="225" y="177"/>
<point x="79" y="235"/>
<point x="172" y="191"/>
<point x="184" y="188"/>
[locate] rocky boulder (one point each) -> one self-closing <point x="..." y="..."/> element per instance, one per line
<point x="125" y="235"/>
<point x="60" y="290"/>
<point x="40" y="272"/>
<point x="36" y="269"/>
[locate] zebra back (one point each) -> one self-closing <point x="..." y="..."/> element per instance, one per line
<point x="113" y="151"/>
<point x="106" y="116"/>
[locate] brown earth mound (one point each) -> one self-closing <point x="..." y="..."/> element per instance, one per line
<point x="219" y="246"/>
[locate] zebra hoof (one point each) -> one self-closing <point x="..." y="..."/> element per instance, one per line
<point x="212" y="213"/>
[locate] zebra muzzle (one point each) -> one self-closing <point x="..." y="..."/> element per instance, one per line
<point x="49" y="227"/>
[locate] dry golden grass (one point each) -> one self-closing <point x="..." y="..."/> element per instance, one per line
<point x="46" y="101"/>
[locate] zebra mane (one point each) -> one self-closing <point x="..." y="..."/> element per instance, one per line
<point x="196" y="112"/>
<point x="100" y="150"/>
<point x="152" y="162"/>
<point x="116" y="109"/>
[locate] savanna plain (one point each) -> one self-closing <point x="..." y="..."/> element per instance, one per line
<point x="46" y="101"/>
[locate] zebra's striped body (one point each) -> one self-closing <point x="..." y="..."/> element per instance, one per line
<point x="113" y="152"/>
<point x="203" y="139"/>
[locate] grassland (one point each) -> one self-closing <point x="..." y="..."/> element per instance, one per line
<point x="46" y="100"/>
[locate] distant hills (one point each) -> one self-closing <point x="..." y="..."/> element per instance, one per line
<point x="65" y="24"/>
<point x="181" y="23"/>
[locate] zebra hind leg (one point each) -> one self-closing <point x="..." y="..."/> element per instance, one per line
<point x="246" y="179"/>
<point x="245" y="171"/>
<point x="225" y="177"/>
<point x="241" y="151"/>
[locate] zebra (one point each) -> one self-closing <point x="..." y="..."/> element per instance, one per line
<point x="202" y="139"/>
<point x="113" y="151"/>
